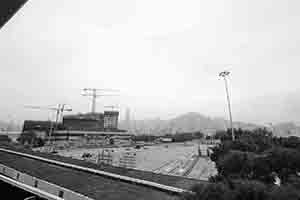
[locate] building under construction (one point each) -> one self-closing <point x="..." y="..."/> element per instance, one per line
<point x="87" y="125"/>
<point x="107" y="121"/>
<point x="79" y="125"/>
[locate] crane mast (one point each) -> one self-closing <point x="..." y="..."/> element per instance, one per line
<point x="59" y="113"/>
<point x="95" y="93"/>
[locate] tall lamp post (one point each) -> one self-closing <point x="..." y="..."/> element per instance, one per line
<point x="224" y="74"/>
<point x="272" y="128"/>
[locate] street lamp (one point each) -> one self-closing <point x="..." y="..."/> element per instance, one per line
<point x="224" y="74"/>
<point x="272" y="128"/>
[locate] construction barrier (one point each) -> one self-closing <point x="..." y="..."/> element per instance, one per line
<point x="128" y="160"/>
<point x="37" y="186"/>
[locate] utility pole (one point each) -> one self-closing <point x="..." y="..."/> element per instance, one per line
<point x="59" y="114"/>
<point x="224" y="75"/>
<point x="272" y="128"/>
<point x="93" y="92"/>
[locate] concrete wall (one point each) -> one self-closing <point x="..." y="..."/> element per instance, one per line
<point x="41" y="184"/>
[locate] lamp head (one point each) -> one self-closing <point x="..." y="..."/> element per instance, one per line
<point x="224" y="73"/>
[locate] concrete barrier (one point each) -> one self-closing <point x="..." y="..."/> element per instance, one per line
<point x="38" y="186"/>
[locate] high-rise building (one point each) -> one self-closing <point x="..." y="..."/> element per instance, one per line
<point x="127" y="119"/>
<point x="111" y="120"/>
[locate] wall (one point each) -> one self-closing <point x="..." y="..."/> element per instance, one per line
<point x="41" y="184"/>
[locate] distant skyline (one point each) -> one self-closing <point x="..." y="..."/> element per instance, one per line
<point x="164" y="57"/>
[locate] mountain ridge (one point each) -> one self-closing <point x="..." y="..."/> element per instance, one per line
<point x="193" y="121"/>
<point x="188" y="122"/>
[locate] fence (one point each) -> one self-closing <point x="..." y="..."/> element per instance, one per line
<point x="128" y="160"/>
<point x="105" y="157"/>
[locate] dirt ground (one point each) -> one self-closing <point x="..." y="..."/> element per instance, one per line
<point x="166" y="158"/>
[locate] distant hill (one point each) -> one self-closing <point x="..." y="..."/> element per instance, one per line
<point x="184" y="123"/>
<point x="286" y="129"/>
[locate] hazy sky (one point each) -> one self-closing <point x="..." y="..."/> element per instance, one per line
<point x="163" y="55"/>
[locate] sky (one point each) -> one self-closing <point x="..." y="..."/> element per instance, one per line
<point x="163" y="55"/>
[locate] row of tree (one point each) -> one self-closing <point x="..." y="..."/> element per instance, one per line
<point x="30" y="139"/>
<point x="178" y="137"/>
<point x="249" y="167"/>
<point x="242" y="190"/>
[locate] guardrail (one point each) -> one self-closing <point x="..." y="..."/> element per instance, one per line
<point x="151" y="184"/>
<point x="38" y="186"/>
<point x="30" y="189"/>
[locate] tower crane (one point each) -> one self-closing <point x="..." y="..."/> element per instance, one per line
<point x="111" y="107"/>
<point x="94" y="93"/>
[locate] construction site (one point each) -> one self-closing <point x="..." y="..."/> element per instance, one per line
<point x="95" y="137"/>
<point x="78" y="129"/>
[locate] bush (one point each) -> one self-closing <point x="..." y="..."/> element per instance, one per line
<point x="249" y="165"/>
<point x="5" y="138"/>
<point x="250" y="190"/>
<point x="294" y="181"/>
<point x="232" y="163"/>
<point x="30" y="139"/>
<point x="284" y="161"/>
<point x="242" y="190"/>
<point x="215" y="191"/>
<point x="284" y="193"/>
<point x="292" y="142"/>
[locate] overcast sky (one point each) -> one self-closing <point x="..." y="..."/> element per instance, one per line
<point x="163" y="55"/>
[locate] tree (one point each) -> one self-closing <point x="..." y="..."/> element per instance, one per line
<point x="249" y="165"/>
<point x="284" y="161"/>
<point x="5" y="139"/>
<point x="232" y="164"/>
<point x="29" y="138"/>
<point x="292" y="142"/>
<point x="217" y="191"/>
<point x="241" y="190"/>
<point x="250" y="190"/>
<point x="284" y="193"/>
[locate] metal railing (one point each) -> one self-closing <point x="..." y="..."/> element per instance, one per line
<point x="29" y="188"/>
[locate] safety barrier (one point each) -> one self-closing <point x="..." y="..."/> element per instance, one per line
<point x="37" y="186"/>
